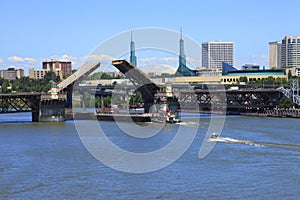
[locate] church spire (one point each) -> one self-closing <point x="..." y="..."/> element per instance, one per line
<point x="132" y="51"/>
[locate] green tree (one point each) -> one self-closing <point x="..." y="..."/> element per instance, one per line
<point x="286" y="103"/>
<point x="51" y="76"/>
<point x="136" y="99"/>
<point x="97" y="102"/>
<point x="289" y="75"/>
<point x="107" y="102"/>
<point x="5" y="86"/>
<point x="243" y="79"/>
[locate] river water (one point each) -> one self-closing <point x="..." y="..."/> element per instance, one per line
<point x="255" y="158"/>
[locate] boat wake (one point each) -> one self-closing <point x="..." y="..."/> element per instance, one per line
<point x="252" y="143"/>
<point x="235" y="141"/>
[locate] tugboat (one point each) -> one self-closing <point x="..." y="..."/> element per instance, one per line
<point x="166" y="106"/>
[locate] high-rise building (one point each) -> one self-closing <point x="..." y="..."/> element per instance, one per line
<point x="215" y="53"/>
<point x="60" y="68"/>
<point x="290" y="51"/>
<point x="132" y="52"/>
<point x="12" y="73"/>
<point x="275" y="54"/>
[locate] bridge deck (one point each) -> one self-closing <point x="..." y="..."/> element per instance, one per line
<point x="136" y="76"/>
<point x="80" y="74"/>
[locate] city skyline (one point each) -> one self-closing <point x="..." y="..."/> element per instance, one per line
<point x="34" y="31"/>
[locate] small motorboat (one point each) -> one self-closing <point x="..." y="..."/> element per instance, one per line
<point x="214" y="135"/>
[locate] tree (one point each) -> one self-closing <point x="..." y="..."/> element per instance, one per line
<point x="51" y="76"/>
<point x="107" y="102"/>
<point x="286" y="103"/>
<point x="243" y="79"/>
<point x="136" y="99"/>
<point x="5" y="86"/>
<point x="98" y="102"/>
<point x="289" y="75"/>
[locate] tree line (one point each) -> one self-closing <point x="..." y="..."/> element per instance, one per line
<point x="26" y="84"/>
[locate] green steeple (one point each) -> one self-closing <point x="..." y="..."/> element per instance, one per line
<point x="182" y="69"/>
<point x="182" y="59"/>
<point x="132" y="52"/>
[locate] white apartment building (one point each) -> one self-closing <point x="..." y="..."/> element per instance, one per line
<point x="275" y="55"/>
<point x="216" y="52"/>
<point x="290" y="51"/>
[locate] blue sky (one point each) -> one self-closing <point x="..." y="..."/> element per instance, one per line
<point x="32" y="31"/>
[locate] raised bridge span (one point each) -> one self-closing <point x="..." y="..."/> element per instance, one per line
<point x="59" y="98"/>
<point x="140" y="80"/>
<point x="46" y="105"/>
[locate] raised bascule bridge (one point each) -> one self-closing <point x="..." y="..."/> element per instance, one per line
<point x="141" y="82"/>
<point x="53" y="105"/>
<point x="49" y="106"/>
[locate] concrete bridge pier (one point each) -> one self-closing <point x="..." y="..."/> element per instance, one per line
<point x="51" y="110"/>
<point x="35" y="116"/>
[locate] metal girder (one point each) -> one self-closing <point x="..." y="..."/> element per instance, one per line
<point x="235" y="99"/>
<point x="11" y="103"/>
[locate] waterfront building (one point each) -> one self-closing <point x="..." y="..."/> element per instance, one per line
<point x="215" y="53"/>
<point x="11" y="73"/>
<point x="290" y="51"/>
<point x="60" y="68"/>
<point x="275" y="55"/>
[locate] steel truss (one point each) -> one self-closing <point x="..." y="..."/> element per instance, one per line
<point x="11" y="103"/>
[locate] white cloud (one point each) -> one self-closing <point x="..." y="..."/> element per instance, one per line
<point x="100" y="57"/>
<point x="163" y="68"/>
<point x="15" y="59"/>
<point x="166" y="59"/>
<point x="30" y="59"/>
<point x="20" y="59"/>
<point x="68" y="58"/>
<point x="1" y="60"/>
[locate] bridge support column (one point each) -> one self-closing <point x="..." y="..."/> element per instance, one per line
<point x="52" y="110"/>
<point x="69" y="97"/>
<point x="36" y="109"/>
<point x="35" y="116"/>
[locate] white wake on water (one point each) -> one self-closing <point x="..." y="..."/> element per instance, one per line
<point x="235" y="141"/>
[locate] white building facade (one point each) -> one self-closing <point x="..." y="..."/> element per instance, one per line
<point x="215" y="53"/>
<point x="275" y="55"/>
<point x="290" y="52"/>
